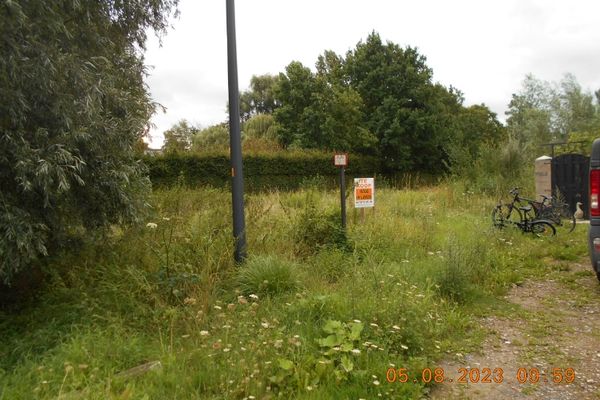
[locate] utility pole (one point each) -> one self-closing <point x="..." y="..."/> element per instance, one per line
<point x="235" y="140"/>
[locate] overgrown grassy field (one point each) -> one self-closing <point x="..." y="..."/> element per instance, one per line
<point x="315" y="313"/>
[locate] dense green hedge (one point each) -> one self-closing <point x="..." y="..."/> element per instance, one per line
<point x="285" y="170"/>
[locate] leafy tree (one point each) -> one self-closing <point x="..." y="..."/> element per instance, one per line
<point x="215" y="137"/>
<point x="402" y="107"/>
<point x="479" y="126"/>
<point x="261" y="126"/>
<point x="543" y="111"/>
<point x="295" y="89"/>
<point x="477" y="130"/>
<point x="140" y="147"/>
<point x="379" y="99"/>
<point x="179" y="137"/>
<point x="260" y="99"/>
<point x="73" y="105"/>
<point x="319" y="111"/>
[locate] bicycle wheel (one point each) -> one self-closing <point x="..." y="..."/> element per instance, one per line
<point x="571" y="223"/>
<point x="562" y="216"/>
<point x="505" y="215"/>
<point x="498" y="217"/>
<point x="567" y="217"/>
<point x="543" y="229"/>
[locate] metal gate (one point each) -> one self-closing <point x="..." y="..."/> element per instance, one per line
<point x="570" y="180"/>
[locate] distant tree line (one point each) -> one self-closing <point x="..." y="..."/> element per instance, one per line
<point x="554" y="112"/>
<point x="379" y="99"/>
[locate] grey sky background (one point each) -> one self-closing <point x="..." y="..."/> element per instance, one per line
<point x="482" y="47"/>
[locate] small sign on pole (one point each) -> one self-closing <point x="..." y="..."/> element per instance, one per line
<point x="364" y="192"/>
<point x="341" y="162"/>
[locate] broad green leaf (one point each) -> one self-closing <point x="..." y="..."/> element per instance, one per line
<point x="285" y="364"/>
<point x="332" y="326"/>
<point x="346" y="347"/>
<point x="355" y="330"/>
<point x="347" y="364"/>
<point x="329" y="341"/>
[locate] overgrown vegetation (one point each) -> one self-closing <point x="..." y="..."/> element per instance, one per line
<point x="73" y="106"/>
<point x="316" y="312"/>
<point x="401" y="288"/>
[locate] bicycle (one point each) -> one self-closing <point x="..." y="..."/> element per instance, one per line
<point x="507" y="214"/>
<point x="556" y="211"/>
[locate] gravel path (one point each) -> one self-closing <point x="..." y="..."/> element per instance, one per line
<point x="557" y="326"/>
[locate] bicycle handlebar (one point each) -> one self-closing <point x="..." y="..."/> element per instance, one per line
<point x="515" y="192"/>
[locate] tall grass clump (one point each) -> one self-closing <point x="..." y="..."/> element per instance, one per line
<point x="264" y="275"/>
<point x="463" y="270"/>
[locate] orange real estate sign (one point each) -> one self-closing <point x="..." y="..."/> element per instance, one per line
<point x="364" y="192"/>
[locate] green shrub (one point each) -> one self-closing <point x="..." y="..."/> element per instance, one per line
<point x="496" y="170"/>
<point x="74" y="105"/>
<point x="267" y="276"/>
<point x="316" y="229"/>
<point x="283" y="170"/>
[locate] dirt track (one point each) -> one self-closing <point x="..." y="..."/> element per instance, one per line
<point x="556" y="325"/>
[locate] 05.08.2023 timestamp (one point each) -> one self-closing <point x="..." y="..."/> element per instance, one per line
<point x="481" y="375"/>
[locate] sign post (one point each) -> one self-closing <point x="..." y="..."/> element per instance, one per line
<point x="341" y="161"/>
<point x="364" y="194"/>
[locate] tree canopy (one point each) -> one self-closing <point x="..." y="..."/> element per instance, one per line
<point x="543" y="112"/>
<point x="178" y="138"/>
<point x="379" y="99"/>
<point x="260" y="98"/>
<point x="73" y="105"/>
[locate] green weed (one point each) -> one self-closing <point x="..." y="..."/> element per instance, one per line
<point x="413" y="275"/>
<point x="267" y="276"/>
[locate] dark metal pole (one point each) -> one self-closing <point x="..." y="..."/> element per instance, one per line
<point x="237" y="175"/>
<point x="343" y="195"/>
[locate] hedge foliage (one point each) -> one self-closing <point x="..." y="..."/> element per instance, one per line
<point x="284" y="170"/>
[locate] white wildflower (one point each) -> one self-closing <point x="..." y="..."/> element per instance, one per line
<point x="151" y="225"/>
<point x="189" y="301"/>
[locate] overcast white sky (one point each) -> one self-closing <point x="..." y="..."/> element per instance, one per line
<point x="482" y="47"/>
